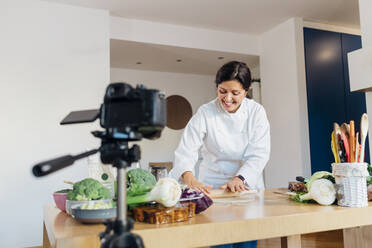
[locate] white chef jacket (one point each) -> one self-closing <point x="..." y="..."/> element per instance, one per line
<point x="230" y="144"/>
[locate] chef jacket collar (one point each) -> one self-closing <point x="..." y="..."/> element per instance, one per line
<point x="241" y="110"/>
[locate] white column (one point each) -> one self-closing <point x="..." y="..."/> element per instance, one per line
<point x="283" y="92"/>
<point x="360" y="61"/>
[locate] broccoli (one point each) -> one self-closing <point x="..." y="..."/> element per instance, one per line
<point x="369" y="178"/>
<point x="89" y="189"/>
<point x="139" y="182"/>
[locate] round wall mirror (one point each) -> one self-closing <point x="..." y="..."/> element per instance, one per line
<point x="179" y="112"/>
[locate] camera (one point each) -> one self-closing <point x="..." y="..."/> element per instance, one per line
<point x="139" y="108"/>
<point x="126" y="109"/>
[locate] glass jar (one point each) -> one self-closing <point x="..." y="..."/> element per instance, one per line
<point x="159" y="172"/>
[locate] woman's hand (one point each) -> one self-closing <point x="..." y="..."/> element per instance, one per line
<point x="236" y="185"/>
<point x="192" y="183"/>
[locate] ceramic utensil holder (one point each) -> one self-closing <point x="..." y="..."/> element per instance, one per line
<point x="351" y="184"/>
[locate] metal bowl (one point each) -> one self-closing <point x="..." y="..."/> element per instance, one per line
<point x="93" y="216"/>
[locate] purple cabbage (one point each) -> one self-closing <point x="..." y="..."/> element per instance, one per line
<point x="190" y="193"/>
<point x="201" y="203"/>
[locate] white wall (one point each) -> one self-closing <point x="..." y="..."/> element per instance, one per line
<point x="283" y="92"/>
<point x="54" y="59"/>
<point x="197" y="89"/>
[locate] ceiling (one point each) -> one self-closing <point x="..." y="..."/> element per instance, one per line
<point x="244" y="16"/>
<point x="128" y="54"/>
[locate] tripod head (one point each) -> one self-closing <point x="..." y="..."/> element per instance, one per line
<point x="127" y="114"/>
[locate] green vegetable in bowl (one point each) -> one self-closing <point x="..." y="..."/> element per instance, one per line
<point x="97" y="205"/>
<point x="89" y="189"/>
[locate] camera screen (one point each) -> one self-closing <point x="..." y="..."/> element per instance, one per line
<point x="81" y="116"/>
<point x="125" y="113"/>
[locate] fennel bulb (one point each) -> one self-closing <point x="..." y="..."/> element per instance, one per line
<point x="318" y="175"/>
<point x="167" y="191"/>
<point x="322" y="191"/>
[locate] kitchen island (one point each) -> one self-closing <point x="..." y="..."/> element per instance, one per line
<point x="263" y="216"/>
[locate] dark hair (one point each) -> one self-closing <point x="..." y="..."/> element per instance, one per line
<point x="234" y="70"/>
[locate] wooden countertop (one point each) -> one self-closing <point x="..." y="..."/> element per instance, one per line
<point x="264" y="215"/>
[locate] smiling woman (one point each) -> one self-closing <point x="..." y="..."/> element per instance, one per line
<point x="232" y="134"/>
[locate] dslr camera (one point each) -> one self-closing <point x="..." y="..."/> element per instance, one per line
<point x="127" y="112"/>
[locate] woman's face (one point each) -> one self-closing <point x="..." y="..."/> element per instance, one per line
<point x="231" y="94"/>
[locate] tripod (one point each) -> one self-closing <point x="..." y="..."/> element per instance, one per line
<point x="114" y="150"/>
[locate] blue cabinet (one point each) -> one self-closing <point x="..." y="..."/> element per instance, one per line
<point x="328" y="91"/>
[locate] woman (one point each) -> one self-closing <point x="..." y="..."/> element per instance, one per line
<point x="232" y="134"/>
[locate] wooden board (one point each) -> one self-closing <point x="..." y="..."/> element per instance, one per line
<point x="220" y="193"/>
